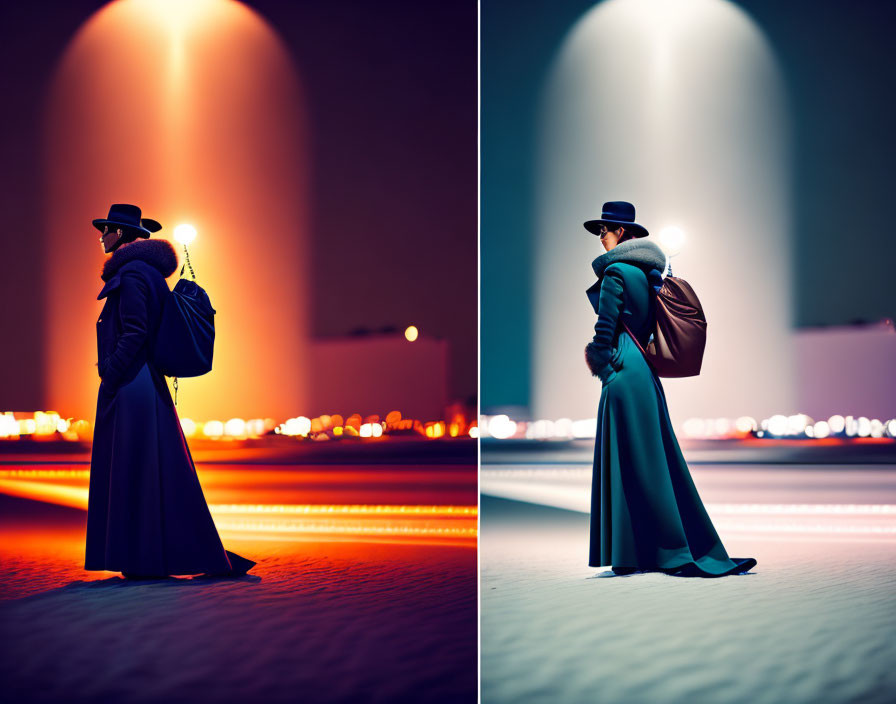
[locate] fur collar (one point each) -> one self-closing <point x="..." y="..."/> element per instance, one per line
<point x="639" y="251"/>
<point x="156" y="252"/>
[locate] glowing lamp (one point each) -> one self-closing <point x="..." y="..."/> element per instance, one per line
<point x="671" y="240"/>
<point x="185" y="234"/>
<point x="411" y="333"/>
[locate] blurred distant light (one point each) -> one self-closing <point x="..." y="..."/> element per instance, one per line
<point x="540" y="429"/>
<point x="255" y="426"/>
<point x="777" y="425"/>
<point x="877" y="428"/>
<point x="863" y="426"/>
<point x="474" y="432"/>
<point x="745" y="424"/>
<point x="796" y="424"/>
<point x="213" y="428"/>
<point x="586" y="428"/>
<point x="851" y="426"/>
<point x="891" y="428"/>
<point x="184" y="233"/>
<point x="188" y="426"/>
<point x="235" y="427"/>
<point x="671" y="240"/>
<point x="376" y="430"/>
<point x="563" y="428"/>
<point x="411" y="333"/>
<point x="821" y="429"/>
<point x="837" y="423"/>
<point x="501" y="427"/>
<point x="45" y="423"/>
<point x="9" y="426"/>
<point x="694" y="427"/>
<point x="298" y="426"/>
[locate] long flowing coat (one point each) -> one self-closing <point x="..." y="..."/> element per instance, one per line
<point x="646" y="513"/>
<point x="146" y="511"/>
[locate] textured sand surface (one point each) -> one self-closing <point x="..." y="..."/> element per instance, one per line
<point x="315" y="621"/>
<point x="813" y="623"/>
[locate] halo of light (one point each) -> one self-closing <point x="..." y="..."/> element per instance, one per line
<point x="671" y="239"/>
<point x="184" y="233"/>
<point x="411" y="333"/>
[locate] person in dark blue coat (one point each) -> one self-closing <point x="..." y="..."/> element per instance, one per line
<point x="146" y="516"/>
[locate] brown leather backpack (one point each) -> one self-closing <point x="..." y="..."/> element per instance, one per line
<point x="679" y="335"/>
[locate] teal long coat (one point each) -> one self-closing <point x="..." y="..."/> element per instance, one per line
<point x="646" y="513"/>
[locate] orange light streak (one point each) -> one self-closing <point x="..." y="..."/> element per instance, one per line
<point x="432" y="522"/>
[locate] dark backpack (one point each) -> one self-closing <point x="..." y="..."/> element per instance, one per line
<point x="185" y="341"/>
<point x="679" y="336"/>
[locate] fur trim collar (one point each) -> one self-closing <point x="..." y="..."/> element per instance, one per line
<point x="156" y="252"/>
<point x="639" y="251"/>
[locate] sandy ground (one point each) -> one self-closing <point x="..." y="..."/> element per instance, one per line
<point x="813" y="622"/>
<point x="319" y="619"/>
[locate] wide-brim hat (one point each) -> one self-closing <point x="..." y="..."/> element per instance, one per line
<point x="127" y="217"/>
<point x="616" y="213"/>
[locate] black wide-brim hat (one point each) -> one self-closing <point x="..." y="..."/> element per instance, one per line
<point x="127" y="217"/>
<point x="616" y="213"/>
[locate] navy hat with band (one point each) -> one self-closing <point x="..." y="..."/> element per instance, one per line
<point x="127" y="217"/>
<point x="617" y="213"/>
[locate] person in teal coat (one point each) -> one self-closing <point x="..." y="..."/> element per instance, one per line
<point x="646" y="514"/>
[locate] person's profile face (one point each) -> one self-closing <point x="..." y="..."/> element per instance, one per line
<point x="609" y="238"/>
<point x="110" y="237"/>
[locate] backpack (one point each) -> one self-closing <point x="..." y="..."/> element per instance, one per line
<point x="678" y="339"/>
<point x="185" y="341"/>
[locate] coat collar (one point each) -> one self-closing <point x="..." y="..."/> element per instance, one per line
<point x="159" y="253"/>
<point x="639" y="251"/>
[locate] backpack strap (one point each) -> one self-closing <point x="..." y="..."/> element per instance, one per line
<point x="646" y="358"/>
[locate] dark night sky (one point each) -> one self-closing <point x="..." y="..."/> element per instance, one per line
<point x="391" y="91"/>
<point x="837" y="62"/>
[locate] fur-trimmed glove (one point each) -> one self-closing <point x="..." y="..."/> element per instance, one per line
<point x="606" y="372"/>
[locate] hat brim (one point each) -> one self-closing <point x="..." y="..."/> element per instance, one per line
<point x="593" y="226"/>
<point x="149" y="226"/>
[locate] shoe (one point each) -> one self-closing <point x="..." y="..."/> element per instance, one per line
<point x="131" y="575"/>
<point x="625" y="570"/>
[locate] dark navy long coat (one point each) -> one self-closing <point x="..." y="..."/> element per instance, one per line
<point x="146" y="511"/>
